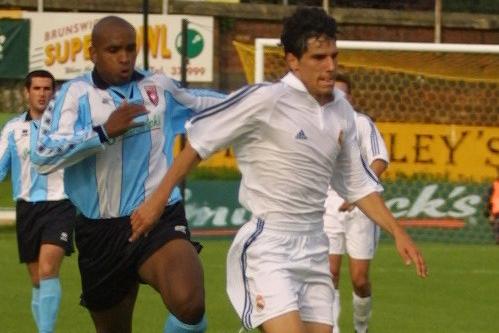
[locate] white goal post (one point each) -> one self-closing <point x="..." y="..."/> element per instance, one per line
<point x="261" y="43"/>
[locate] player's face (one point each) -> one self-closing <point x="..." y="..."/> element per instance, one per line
<point x="114" y="55"/>
<point x="39" y="94"/>
<point x="317" y="67"/>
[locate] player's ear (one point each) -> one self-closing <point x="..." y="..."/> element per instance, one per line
<point x="292" y="62"/>
<point x="93" y="55"/>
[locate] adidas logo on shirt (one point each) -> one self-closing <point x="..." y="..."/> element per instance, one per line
<point x="301" y="135"/>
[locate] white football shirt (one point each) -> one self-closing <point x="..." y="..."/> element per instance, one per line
<point x="288" y="148"/>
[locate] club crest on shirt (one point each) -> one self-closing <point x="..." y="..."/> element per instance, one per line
<point x="260" y="303"/>
<point x="152" y="94"/>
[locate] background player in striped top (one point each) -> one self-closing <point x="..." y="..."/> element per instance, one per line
<point x="291" y="139"/>
<point x="44" y="217"/>
<point x="348" y="229"/>
<point x="113" y="131"/>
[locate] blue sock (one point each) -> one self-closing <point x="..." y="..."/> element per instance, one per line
<point x="50" y="298"/>
<point x="173" y="325"/>
<point x="35" y="298"/>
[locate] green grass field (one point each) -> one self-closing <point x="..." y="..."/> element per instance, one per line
<point x="460" y="296"/>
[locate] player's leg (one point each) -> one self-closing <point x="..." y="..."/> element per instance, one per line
<point x="362" y="303"/>
<point x="335" y="267"/>
<point x="57" y="219"/>
<point x="359" y="273"/>
<point x="291" y="323"/>
<point x="107" y="262"/>
<point x="175" y="271"/>
<point x="118" y="318"/>
<point x="49" y="264"/>
<point x="288" y="322"/>
<point x="35" y="291"/>
<point x="171" y="265"/>
<point x="28" y="242"/>
<point x="361" y="240"/>
<point x="335" y="230"/>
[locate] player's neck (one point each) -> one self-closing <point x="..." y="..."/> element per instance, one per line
<point x="323" y="99"/>
<point x="35" y="115"/>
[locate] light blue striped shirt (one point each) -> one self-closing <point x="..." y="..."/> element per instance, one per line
<point x="110" y="179"/>
<point x="27" y="183"/>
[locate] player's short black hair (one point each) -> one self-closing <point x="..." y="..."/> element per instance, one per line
<point x="38" y="73"/>
<point x="306" y="22"/>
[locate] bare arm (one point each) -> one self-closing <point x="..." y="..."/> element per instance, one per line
<point x="378" y="166"/>
<point x="148" y="213"/>
<point x="374" y="207"/>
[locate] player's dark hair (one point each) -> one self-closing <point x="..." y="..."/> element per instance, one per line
<point x="38" y="73"/>
<point x="306" y="22"/>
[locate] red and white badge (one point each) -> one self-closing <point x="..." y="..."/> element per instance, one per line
<point x="152" y="94"/>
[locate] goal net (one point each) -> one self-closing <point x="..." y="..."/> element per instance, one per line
<point x="437" y="106"/>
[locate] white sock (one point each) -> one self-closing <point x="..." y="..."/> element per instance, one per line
<point x="336" y="311"/>
<point x="361" y="312"/>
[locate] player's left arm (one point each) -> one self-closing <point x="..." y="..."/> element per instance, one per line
<point x="355" y="182"/>
<point x="374" y="207"/>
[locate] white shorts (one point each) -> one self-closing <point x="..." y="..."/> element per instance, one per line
<point x="270" y="273"/>
<point x="350" y="232"/>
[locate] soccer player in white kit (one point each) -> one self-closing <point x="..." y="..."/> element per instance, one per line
<point x="349" y="230"/>
<point x="291" y="139"/>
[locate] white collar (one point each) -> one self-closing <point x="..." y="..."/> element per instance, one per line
<point x="291" y="80"/>
<point x="294" y="82"/>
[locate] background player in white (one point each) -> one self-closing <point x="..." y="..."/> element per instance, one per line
<point x="113" y="131"/>
<point x="291" y="139"/>
<point x="44" y="217"/>
<point x="348" y="229"/>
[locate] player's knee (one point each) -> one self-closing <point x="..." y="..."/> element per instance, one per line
<point x="187" y="304"/>
<point x="190" y="312"/>
<point x="47" y="270"/>
<point x="361" y="286"/>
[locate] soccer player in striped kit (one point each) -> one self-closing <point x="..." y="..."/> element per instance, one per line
<point x="291" y="139"/>
<point x="113" y="131"/>
<point x="44" y="216"/>
<point x="348" y="229"/>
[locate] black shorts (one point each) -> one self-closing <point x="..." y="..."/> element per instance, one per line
<point x="44" y="222"/>
<point x="109" y="263"/>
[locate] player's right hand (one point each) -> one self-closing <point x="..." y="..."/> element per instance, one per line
<point x="145" y="217"/>
<point x="122" y="118"/>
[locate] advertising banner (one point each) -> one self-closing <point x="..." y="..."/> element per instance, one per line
<point x="445" y="151"/>
<point x="59" y="43"/>
<point x="431" y="210"/>
<point x="14" y="35"/>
